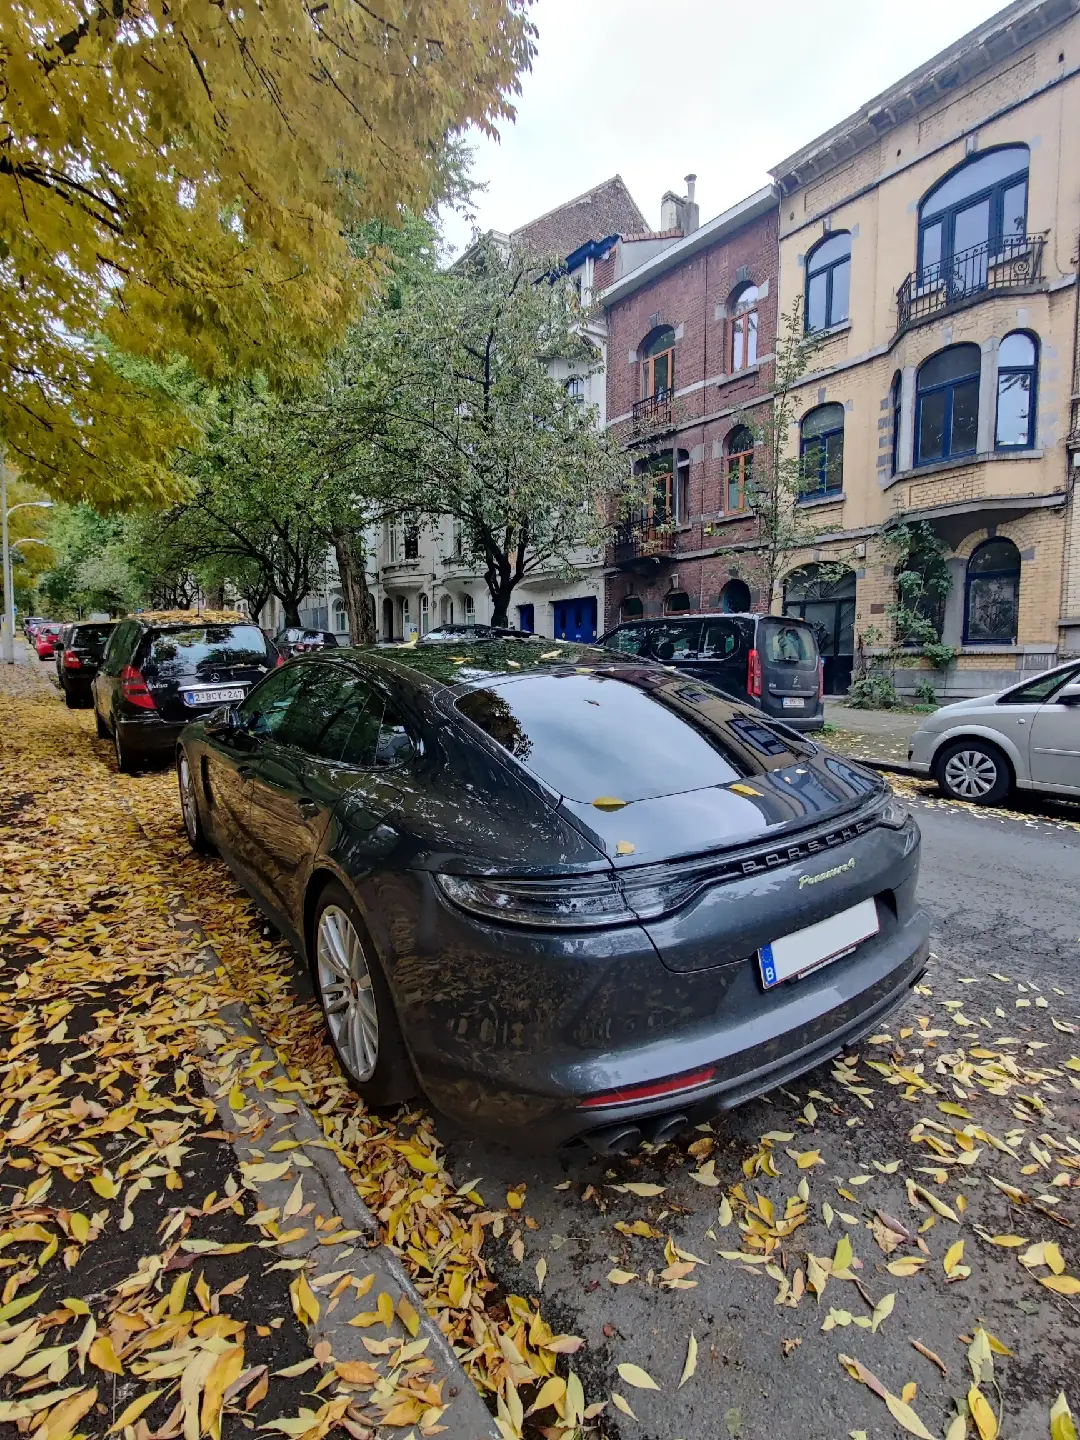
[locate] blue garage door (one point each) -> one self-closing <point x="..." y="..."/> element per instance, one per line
<point x="576" y="619"/>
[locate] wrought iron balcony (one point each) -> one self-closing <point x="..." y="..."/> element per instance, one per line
<point x="994" y="265"/>
<point x="646" y="539"/>
<point x="654" y="412"/>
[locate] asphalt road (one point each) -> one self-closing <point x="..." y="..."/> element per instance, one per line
<point x="1004" y="896"/>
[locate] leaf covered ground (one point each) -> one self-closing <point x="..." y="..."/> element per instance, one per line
<point x="864" y="1223"/>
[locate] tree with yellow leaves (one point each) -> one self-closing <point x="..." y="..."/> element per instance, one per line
<point x="179" y="178"/>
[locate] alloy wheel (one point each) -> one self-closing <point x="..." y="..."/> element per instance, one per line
<point x="347" y="994"/>
<point x="188" y="803"/>
<point x="971" y="774"/>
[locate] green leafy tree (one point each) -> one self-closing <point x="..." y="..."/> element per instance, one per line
<point x="181" y="179"/>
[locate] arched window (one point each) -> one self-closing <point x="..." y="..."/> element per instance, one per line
<point x="977" y="212"/>
<point x="821" y="447"/>
<point x="947" y="405"/>
<point x="735" y="597"/>
<point x="405" y="616"/>
<point x="341" y="618"/>
<point x="742" y="308"/>
<point x="469" y="608"/>
<point x="740" y="461"/>
<point x="659" y="492"/>
<point x="446" y="610"/>
<point x="423" y="614"/>
<point x="992" y="594"/>
<point x="894" y="406"/>
<point x="575" y="388"/>
<point x="1017" y="362"/>
<point x="657" y="356"/>
<point x="828" y="282"/>
<point x="631" y="608"/>
<point x="677" y="603"/>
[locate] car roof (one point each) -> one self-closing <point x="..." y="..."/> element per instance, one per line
<point x="159" y="619"/>
<point x="708" y="615"/>
<point x="474" y="662"/>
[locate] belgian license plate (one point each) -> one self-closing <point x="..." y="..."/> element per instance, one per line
<point x="818" y="944"/>
<point x="793" y="702"/>
<point x="214" y="697"/>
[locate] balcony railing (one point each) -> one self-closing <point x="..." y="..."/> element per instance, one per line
<point x="654" y="410"/>
<point x="642" y="539"/>
<point x="994" y="265"/>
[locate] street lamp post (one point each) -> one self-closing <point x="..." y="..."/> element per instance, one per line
<point x="7" y="641"/>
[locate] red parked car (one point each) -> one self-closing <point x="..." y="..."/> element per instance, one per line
<point x="45" y="639"/>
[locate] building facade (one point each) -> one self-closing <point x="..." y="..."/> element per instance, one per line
<point x="691" y="339"/>
<point x="932" y="240"/>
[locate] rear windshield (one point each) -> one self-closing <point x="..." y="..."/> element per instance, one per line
<point x="786" y="643"/>
<point x="590" y="735"/>
<point x="194" y="646"/>
<point x="94" y="637"/>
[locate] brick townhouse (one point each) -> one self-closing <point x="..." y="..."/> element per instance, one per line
<point x="690" y="347"/>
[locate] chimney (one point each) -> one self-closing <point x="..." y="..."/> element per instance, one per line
<point x="691" y="214"/>
<point x="670" y="211"/>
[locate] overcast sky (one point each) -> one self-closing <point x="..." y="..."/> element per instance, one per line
<point x="655" y="89"/>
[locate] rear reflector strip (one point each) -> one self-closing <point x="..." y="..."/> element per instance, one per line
<point x="673" y="1085"/>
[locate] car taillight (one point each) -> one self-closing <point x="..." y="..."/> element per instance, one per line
<point x="134" y="689"/>
<point x="753" y="675"/>
<point x="820" y="679"/>
<point x="279" y="662"/>
<point x="71" y="660"/>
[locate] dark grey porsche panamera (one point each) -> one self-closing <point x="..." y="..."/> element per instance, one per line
<point x="563" y="895"/>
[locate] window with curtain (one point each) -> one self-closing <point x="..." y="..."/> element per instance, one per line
<point x="976" y="213"/>
<point x="895" y="407"/>
<point x="992" y="594"/>
<point x="744" y="327"/>
<point x="828" y="282"/>
<point x="740" y="462"/>
<point x="1014" y="427"/>
<point x="657" y="356"/>
<point x="821" y="448"/>
<point x="947" y="405"/>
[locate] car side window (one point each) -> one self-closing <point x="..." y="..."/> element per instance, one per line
<point x="395" y="743"/>
<point x="319" y="716"/>
<point x="118" y="647"/>
<point x="721" y="639"/>
<point x="674" y="639"/>
<point x="629" y="640"/>
<point x="264" y="708"/>
<point x="1035" y="692"/>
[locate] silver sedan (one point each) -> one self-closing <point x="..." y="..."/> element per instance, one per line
<point x="1027" y="737"/>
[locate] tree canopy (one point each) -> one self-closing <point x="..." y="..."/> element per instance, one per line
<point x="179" y="178"/>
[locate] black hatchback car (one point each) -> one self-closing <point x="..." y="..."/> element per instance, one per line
<point x="769" y="661"/>
<point x="300" y="640"/>
<point x="563" y="894"/>
<point x="79" y="656"/>
<point x="161" y="670"/>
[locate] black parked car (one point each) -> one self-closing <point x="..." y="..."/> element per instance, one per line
<point x="456" y="634"/>
<point x="298" y="640"/>
<point x="768" y="661"/>
<point x="565" y="896"/>
<point x="78" y="658"/>
<point x="162" y="670"/>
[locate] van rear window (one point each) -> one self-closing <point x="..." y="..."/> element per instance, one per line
<point x="789" y="644"/>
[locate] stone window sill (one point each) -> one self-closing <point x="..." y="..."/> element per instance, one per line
<point x="729" y="517"/>
<point x="963" y="462"/>
<point x="816" y="502"/>
<point x="841" y="329"/>
<point x="724" y="380"/>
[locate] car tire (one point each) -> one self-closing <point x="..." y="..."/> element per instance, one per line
<point x="975" y="771"/>
<point x="123" y="758"/>
<point x="103" y="731"/>
<point x="189" y="807"/>
<point x="69" y="699"/>
<point x="362" y="1026"/>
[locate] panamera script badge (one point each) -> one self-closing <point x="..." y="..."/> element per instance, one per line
<point x="827" y="874"/>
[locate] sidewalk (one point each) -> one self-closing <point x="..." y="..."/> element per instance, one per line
<point x="881" y="735"/>
<point x="185" y="1246"/>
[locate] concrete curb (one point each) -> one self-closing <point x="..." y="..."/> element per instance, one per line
<point x="326" y="1183"/>
<point x="894" y="767"/>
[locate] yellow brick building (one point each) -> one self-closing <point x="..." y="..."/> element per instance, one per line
<point x="933" y="239"/>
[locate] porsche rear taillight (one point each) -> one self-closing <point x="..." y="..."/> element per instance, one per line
<point x="134" y="689"/>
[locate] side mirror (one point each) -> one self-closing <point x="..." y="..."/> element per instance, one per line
<point x="1069" y="694"/>
<point x="227" y="719"/>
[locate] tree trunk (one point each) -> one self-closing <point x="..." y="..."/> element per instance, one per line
<point x="291" y="606"/>
<point x="354" y="587"/>
<point x="500" y="604"/>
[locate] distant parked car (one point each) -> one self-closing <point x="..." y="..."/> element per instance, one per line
<point x="566" y="894"/>
<point x="300" y="640"/>
<point x="459" y="634"/>
<point x="45" y="639"/>
<point x="1027" y="736"/>
<point x="78" y="658"/>
<point x="768" y="661"/>
<point x="31" y="623"/>
<point x="162" y="670"/>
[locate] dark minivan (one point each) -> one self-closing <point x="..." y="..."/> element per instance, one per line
<point x="78" y="658"/>
<point x="163" y="670"/>
<point x="769" y="661"/>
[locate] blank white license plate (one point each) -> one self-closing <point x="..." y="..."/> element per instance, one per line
<point x="792" y="702"/>
<point x="214" y="697"/>
<point x="805" y="950"/>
